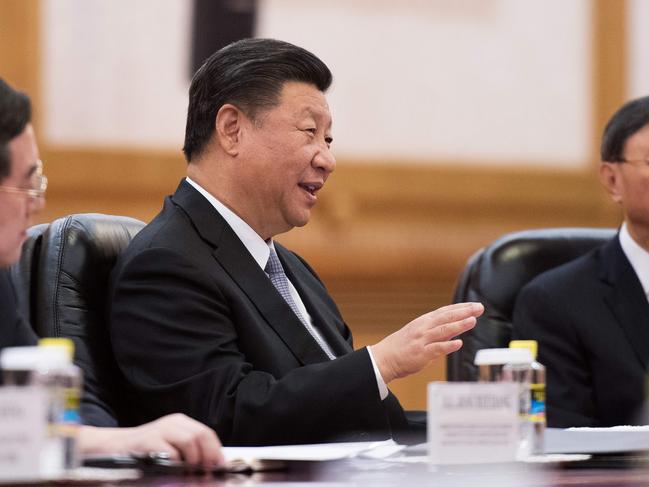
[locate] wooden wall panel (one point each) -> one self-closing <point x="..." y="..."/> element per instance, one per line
<point x="610" y="69"/>
<point x="20" y="47"/>
<point x="412" y="218"/>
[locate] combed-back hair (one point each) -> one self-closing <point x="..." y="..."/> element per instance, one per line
<point x="249" y="74"/>
<point x="633" y="116"/>
<point x="15" y="114"/>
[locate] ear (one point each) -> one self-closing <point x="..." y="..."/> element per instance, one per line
<point x="609" y="176"/>
<point x="228" y="125"/>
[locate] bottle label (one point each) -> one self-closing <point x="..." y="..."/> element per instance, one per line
<point x="72" y="398"/>
<point x="537" y="406"/>
<point x="64" y="416"/>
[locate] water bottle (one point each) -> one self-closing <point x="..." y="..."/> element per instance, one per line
<point x="65" y="385"/>
<point x="511" y="365"/>
<point x="50" y="367"/>
<point x="537" y="397"/>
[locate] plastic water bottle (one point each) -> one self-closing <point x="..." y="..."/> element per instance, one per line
<point x="511" y="365"/>
<point x="50" y="367"/>
<point x="65" y="383"/>
<point x="537" y="397"/>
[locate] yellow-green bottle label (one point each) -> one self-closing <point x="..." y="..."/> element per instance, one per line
<point x="537" y="406"/>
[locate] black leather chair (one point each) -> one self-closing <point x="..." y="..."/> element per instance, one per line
<point x="77" y="255"/>
<point x="495" y="274"/>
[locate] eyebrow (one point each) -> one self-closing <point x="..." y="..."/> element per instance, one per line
<point x="32" y="169"/>
<point x="318" y="114"/>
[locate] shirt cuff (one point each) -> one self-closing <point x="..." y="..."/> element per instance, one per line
<point x="383" y="388"/>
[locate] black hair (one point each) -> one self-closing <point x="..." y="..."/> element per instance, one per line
<point x="633" y="116"/>
<point x="249" y="74"/>
<point x="15" y="114"/>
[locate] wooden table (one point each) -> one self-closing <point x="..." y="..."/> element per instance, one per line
<point x="370" y="473"/>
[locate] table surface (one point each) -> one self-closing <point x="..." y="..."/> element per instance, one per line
<point x="602" y="472"/>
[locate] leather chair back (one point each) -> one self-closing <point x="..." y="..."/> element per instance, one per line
<point x="77" y="255"/>
<point x="494" y="276"/>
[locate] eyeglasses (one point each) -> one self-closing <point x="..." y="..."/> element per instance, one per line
<point x="636" y="162"/>
<point x="38" y="183"/>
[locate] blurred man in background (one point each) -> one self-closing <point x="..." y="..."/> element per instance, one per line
<point x="22" y="194"/>
<point x="591" y="316"/>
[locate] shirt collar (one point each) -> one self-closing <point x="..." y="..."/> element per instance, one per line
<point x="257" y="246"/>
<point x="638" y="257"/>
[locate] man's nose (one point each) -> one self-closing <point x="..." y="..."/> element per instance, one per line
<point x="36" y="204"/>
<point x="325" y="159"/>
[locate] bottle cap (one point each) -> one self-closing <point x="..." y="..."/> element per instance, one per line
<point x="64" y="343"/>
<point x="32" y="358"/>
<point x="531" y="345"/>
<point x="498" y="356"/>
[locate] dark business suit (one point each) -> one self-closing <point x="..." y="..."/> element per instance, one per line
<point x="591" y="319"/>
<point x="14" y="330"/>
<point x="197" y="327"/>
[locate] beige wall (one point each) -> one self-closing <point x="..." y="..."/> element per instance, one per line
<point x="638" y="40"/>
<point x="391" y="232"/>
<point x="478" y="81"/>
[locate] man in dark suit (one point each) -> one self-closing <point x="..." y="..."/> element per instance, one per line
<point x="211" y="316"/>
<point x="15" y="332"/>
<point x="591" y="316"/>
<point x="22" y="194"/>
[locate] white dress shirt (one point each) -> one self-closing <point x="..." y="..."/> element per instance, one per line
<point x="260" y="250"/>
<point x="638" y="257"/>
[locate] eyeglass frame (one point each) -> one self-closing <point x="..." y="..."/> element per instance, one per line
<point x="34" y="193"/>
<point x="635" y="162"/>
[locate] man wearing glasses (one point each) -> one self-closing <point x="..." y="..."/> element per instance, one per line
<point x="22" y="191"/>
<point x="22" y="194"/>
<point x="591" y="316"/>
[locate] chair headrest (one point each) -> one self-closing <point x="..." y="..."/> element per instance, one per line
<point x="77" y="255"/>
<point x="512" y="261"/>
<point x="495" y="275"/>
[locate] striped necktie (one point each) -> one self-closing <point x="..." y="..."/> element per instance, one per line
<point x="277" y="276"/>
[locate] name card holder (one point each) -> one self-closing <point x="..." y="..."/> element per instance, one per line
<point x="470" y="422"/>
<point x="23" y="426"/>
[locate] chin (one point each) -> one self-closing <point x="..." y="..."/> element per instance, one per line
<point x="299" y="218"/>
<point x="300" y="222"/>
<point x="8" y="259"/>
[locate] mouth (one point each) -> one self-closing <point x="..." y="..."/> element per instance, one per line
<point x="311" y="188"/>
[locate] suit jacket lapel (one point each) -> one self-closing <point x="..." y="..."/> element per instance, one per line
<point x="312" y="293"/>
<point x="233" y="256"/>
<point x="625" y="297"/>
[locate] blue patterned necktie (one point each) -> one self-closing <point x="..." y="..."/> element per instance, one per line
<point x="277" y="276"/>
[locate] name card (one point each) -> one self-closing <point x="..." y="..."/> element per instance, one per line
<point x="23" y="423"/>
<point x="471" y="422"/>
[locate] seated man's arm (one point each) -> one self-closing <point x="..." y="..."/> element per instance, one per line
<point x="541" y="314"/>
<point x="179" y="436"/>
